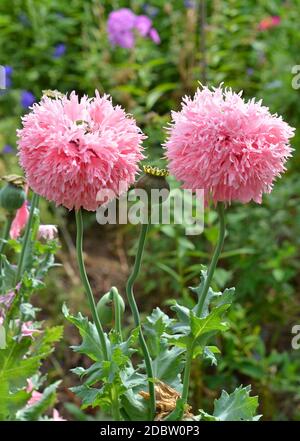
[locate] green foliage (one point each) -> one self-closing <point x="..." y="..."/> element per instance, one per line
<point x="19" y="362"/>
<point x="106" y="380"/>
<point x="238" y="406"/>
<point x="261" y="255"/>
<point x="37" y="410"/>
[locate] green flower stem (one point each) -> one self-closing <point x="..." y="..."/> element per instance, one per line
<point x="115" y="404"/>
<point x="118" y="322"/>
<point x="187" y="373"/>
<point x="136" y="315"/>
<point x="27" y="237"/>
<point x="202" y="297"/>
<point x="6" y="230"/>
<point x="214" y="261"/>
<point x="86" y="283"/>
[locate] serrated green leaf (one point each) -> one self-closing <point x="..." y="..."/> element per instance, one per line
<point x="212" y="322"/>
<point x="90" y="345"/>
<point x="238" y="406"/>
<point x="168" y="365"/>
<point x="8" y="274"/>
<point x="20" y="361"/>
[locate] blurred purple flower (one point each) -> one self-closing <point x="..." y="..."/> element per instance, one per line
<point x="154" y="35"/>
<point x="7" y="149"/>
<point x="6" y="299"/>
<point x="59" y="50"/>
<point x="191" y="4"/>
<point x="27" y="99"/>
<point x="143" y="24"/>
<point x="8" y="73"/>
<point x="121" y="25"/>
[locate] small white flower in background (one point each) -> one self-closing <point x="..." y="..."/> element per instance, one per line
<point x="47" y="232"/>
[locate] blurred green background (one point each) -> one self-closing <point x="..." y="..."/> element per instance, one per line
<point x="250" y="46"/>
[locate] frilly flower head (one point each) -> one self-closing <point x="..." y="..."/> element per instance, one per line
<point x="47" y="232"/>
<point x="70" y="148"/>
<point x="231" y="148"/>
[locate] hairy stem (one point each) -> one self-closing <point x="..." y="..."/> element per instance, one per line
<point x="86" y="283"/>
<point x="6" y="230"/>
<point x="202" y="297"/>
<point x="214" y="261"/>
<point x="118" y="322"/>
<point x="27" y="238"/>
<point x="136" y="315"/>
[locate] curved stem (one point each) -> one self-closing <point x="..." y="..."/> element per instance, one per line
<point x="214" y="261"/>
<point x="26" y="238"/>
<point x="136" y="315"/>
<point x="86" y="283"/>
<point x="6" y="230"/>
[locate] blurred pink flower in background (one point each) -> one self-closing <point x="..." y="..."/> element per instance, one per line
<point x="231" y="148"/>
<point x="120" y="25"/>
<point x="19" y="222"/>
<point x="70" y="148"/>
<point x="7" y="299"/>
<point x="143" y="24"/>
<point x="47" y="232"/>
<point x="35" y="395"/>
<point x="123" y="22"/>
<point x="154" y="35"/>
<point x="56" y="416"/>
<point x="269" y="22"/>
<point x="27" y="329"/>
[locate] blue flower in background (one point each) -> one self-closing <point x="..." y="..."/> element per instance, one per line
<point x="8" y="72"/>
<point x="23" y="18"/>
<point x="152" y="11"/>
<point x="190" y="4"/>
<point x="7" y="149"/>
<point x="27" y="99"/>
<point x="59" y="50"/>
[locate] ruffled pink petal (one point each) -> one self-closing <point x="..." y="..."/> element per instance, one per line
<point x="72" y="148"/>
<point x="231" y="148"/>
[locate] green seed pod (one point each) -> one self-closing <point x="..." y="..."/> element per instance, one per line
<point x="105" y="306"/>
<point x="12" y="197"/>
<point x="154" y="179"/>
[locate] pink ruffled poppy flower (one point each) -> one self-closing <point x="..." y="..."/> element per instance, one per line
<point x="232" y="148"/>
<point x="70" y="148"/>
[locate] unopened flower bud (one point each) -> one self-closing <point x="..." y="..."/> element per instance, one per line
<point x="12" y="195"/>
<point x="154" y="178"/>
<point x="105" y="306"/>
